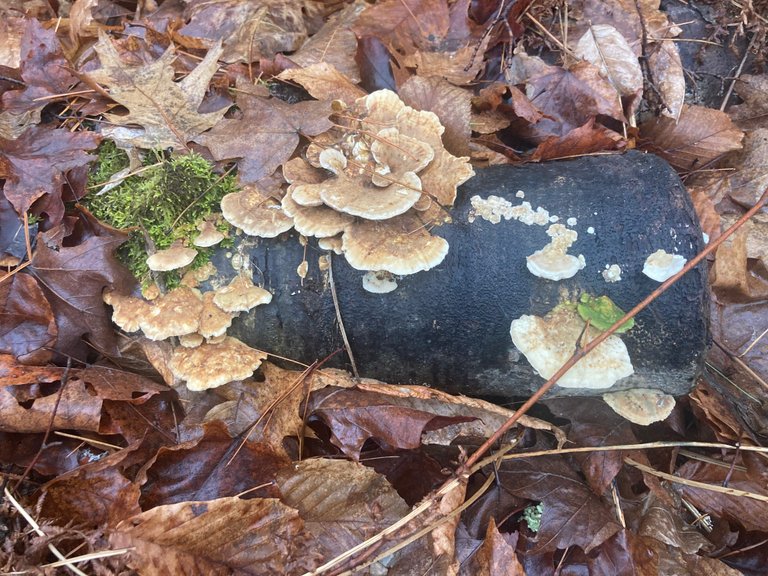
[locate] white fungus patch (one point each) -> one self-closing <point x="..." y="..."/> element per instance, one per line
<point x="571" y="221"/>
<point x="553" y="261"/>
<point x="641" y="405"/>
<point x="661" y="266"/>
<point x="520" y="194"/>
<point x="549" y="342"/>
<point x="379" y="282"/>
<point x="612" y="273"/>
<point x="494" y="208"/>
<point x="591" y="230"/>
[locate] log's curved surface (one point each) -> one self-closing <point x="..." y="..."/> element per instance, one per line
<point x="449" y="327"/>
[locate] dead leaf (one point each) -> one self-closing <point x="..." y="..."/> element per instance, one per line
<point x="335" y="44"/>
<point x="624" y="553"/>
<point x="572" y="515"/>
<point x="324" y="82"/>
<point x="94" y="494"/>
<point x="606" y="48"/>
<point x="267" y="133"/>
<point x="248" y="31"/>
<point x="32" y="177"/>
<point x="700" y="136"/>
<point x="750" y="179"/>
<point x="585" y="139"/>
<point x="342" y="503"/>
<point x="746" y="512"/>
<point x="753" y="113"/>
<point x="73" y="279"/>
<point x="569" y="98"/>
<point x="705" y="210"/>
<point x="28" y="327"/>
<point x="223" y="536"/>
<point x="496" y="556"/>
<point x="167" y="111"/>
<point x="451" y="104"/>
<point x="668" y="78"/>
<point x="28" y="406"/>
<point x="199" y="468"/>
<point x="45" y="71"/>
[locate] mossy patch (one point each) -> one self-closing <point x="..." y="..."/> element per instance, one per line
<point x="162" y="203"/>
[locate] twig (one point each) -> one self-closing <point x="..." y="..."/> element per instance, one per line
<point x="695" y="483"/>
<point x="738" y="73"/>
<point x="339" y="319"/>
<point x="36" y="528"/>
<point x="602" y="337"/>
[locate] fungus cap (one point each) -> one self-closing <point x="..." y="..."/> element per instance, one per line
<point x="127" y="311"/>
<point x="553" y="265"/>
<point x="549" y="342"/>
<point x="255" y="213"/>
<point x="641" y="405"/>
<point x="213" y="320"/>
<point x="348" y="196"/>
<point x="317" y="221"/>
<point x="241" y="295"/>
<point x="399" y="245"/>
<point x="212" y="365"/>
<point x="173" y="314"/>
<point x="209" y="235"/>
<point x="173" y="258"/>
<point x="661" y="266"/>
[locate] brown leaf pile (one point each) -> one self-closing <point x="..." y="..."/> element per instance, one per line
<point x="353" y="124"/>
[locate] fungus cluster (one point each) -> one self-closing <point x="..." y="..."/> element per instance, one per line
<point x="553" y="261"/>
<point x="370" y="188"/>
<point x="661" y="266"/>
<point x="549" y="342"/>
<point x="205" y="356"/>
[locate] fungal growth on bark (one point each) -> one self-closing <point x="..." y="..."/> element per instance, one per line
<point x="549" y="342"/>
<point x="373" y="186"/>
<point x="198" y="322"/>
<point x="661" y="266"/>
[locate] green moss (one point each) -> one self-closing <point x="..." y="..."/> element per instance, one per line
<point x="164" y="202"/>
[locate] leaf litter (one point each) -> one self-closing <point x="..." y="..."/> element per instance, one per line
<point x="294" y="471"/>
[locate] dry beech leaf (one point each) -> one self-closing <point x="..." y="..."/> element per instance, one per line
<point x="606" y="48"/>
<point x="700" y="136"/>
<point x="324" y="82"/>
<point x="668" y="77"/>
<point x="334" y="44"/>
<point x="342" y="503"/>
<point x="223" y="536"/>
<point x="750" y="179"/>
<point x="705" y="210"/>
<point x="166" y="110"/>
<point x="451" y="104"/>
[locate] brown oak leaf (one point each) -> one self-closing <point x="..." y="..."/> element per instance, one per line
<point x="36" y="163"/>
<point x="266" y="134"/>
<point x="167" y="111"/>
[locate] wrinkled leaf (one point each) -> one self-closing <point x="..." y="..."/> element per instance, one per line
<point x="606" y="48"/>
<point x="227" y="536"/>
<point x="167" y="111"/>
<point x="27" y="326"/>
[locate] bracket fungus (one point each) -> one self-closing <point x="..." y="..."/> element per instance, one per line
<point x="380" y="180"/>
<point x="212" y="365"/>
<point x="209" y="235"/>
<point x="378" y="282"/>
<point x="549" y="342"/>
<point x="641" y="405"/>
<point x="173" y="258"/>
<point x="255" y="213"/>
<point x="661" y="266"/>
<point x="553" y="261"/>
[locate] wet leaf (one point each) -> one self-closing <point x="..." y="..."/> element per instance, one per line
<point x="267" y="133"/>
<point x="342" y="503"/>
<point x="35" y="166"/>
<point x="496" y="556"/>
<point x="27" y="327"/>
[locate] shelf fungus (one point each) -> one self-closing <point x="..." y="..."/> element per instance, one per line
<point x="661" y="266"/>
<point x="173" y="258"/>
<point x="641" y="405"/>
<point x="199" y="321"/>
<point x="378" y="182"/>
<point x="553" y="261"/>
<point x="255" y="213"/>
<point x="549" y="342"/>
